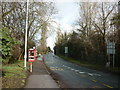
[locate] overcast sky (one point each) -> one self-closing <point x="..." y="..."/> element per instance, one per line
<point x="67" y="15"/>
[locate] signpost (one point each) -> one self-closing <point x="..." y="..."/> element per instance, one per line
<point x="66" y="50"/>
<point x="111" y="50"/>
<point x="31" y="56"/>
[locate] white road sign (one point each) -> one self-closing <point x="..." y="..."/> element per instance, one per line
<point x="110" y="48"/>
<point x="66" y="49"/>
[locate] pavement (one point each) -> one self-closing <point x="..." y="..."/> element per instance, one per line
<point x="74" y="76"/>
<point x="40" y="77"/>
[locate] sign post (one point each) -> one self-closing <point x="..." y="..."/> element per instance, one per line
<point x="111" y="50"/>
<point x="66" y="51"/>
<point x="31" y="57"/>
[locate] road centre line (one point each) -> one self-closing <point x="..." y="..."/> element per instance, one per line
<point x="68" y="67"/>
<point x="81" y="72"/>
<point x="102" y="84"/>
<point x="107" y="86"/>
<point x="91" y="74"/>
<point x="72" y="69"/>
<point x="76" y="70"/>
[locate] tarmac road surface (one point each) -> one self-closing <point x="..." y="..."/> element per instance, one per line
<point x="80" y="77"/>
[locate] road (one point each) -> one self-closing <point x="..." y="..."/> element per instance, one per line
<point x="80" y="77"/>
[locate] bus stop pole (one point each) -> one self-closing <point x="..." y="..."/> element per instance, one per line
<point x="30" y="66"/>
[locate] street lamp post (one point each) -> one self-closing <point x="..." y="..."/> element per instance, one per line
<point x="25" y="56"/>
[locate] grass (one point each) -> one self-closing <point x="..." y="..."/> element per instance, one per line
<point x="0" y="66"/>
<point x="14" y="75"/>
<point x="115" y="70"/>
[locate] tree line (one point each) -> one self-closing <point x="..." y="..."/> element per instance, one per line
<point x="97" y="24"/>
<point x="13" y="21"/>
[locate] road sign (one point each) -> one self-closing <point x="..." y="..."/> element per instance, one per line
<point x="32" y="55"/>
<point x="66" y="49"/>
<point x="110" y="48"/>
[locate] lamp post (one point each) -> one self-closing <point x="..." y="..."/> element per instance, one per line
<point x="25" y="56"/>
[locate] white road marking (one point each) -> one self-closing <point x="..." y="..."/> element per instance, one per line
<point x="81" y="72"/>
<point x="56" y="68"/>
<point x="77" y="70"/>
<point x="68" y="67"/>
<point x="72" y="69"/>
<point x="97" y="74"/>
<point x="90" y="74"/>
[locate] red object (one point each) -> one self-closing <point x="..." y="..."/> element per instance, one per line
<point x="32" y="55"/>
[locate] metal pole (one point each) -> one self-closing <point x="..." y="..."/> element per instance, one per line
<point x="109" y="59"/>
<point x="25" y="56"/>
<point x="113" y="61"/>
<point x="31" y="67"/>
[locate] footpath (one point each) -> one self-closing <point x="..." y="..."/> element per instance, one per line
<point x="40" y="77"/>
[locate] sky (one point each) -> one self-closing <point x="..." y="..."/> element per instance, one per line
<point x="68" y="13"/>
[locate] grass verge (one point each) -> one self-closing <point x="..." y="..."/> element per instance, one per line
<point x="92" y="66"/>
<point x="14" y="75"/>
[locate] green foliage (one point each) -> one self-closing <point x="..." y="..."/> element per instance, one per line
<point x="14" y="17"/>
<point x="116" y="22"/>
<point x="5" y="61"/>
<point x="81" y="47"/>
<point x="49" y="49"/>
<point x="7" y="42"/>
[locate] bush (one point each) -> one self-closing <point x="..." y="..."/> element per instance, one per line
<point x="7" y="42"/>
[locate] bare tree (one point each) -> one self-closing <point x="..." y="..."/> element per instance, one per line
<point x="14" y="16"/>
